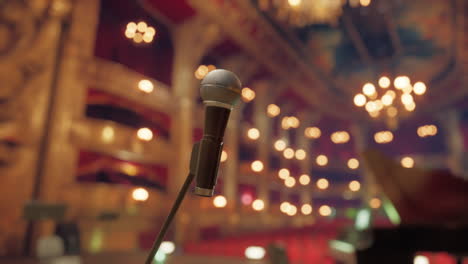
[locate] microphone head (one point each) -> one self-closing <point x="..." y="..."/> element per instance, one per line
<point x="221" y="88"/>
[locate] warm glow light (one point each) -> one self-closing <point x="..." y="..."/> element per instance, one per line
<point x="288" y="153"/>
<point x="248" y="94"/>
<point x="340" y="137"/>
<point x="258" y="205"/>
<point x="384" y="82"/>
<point x="219" y="201"/>
<point x="306" y="209"/>
<point x="401" y="81"/>
<point x="322" y="160"/>
<point x="368" y="89"/>
<point x="312" y="132"/>
<point x="304" y="179"/>
<point x="419" y="88"/>
<point x="365" y="2"/>
<point x="353" y="163"/>
<point x="354" y="186"/>
<point x="254" y="253"/>
<point x="292" y="210"/>
<point x="410" y="107"/>
<point x="391" y="93"/>
<point x="280" y="145"/>
<point x="138" y="38"/>
<point x="421" y="260"/>
<point x="284" y="207"/>
<point x="360" y="100"/>
<point x="145" y="86"/>
<point x="407" y="99"/>
<point x="325" y="210"/>
<point x="371" y="106"/>
<point x="283" y="174"/>
<point x="407" y="162"/>
<point x="107" y="134"/>
<point x="374" y="114"/>
<point x="132" y="26"/>
<point x="387" y="99"/>
<point x="392" y="111"/>
<point x="253" y="133"/>
<point x="139" y="33"/>
<point x="141" y="26"/>
<point x="273" y="110"/>
<point x="375" y="203"/>
<point x="290" y="182"/>
<point x="129" y="169"/>
<point x="427" y="131"/>
<point x="300" y="154"/>
<point x="383" y="137"/>
<point x="407" y="89"/>
<point x="294" y="2"/>
<point x="201" y="71"/>
<point x="224" y="156"/>
<point x="167" y="247"/>
<point x="257" y="166"/>
<point x="140" y="194"/>
<point x="322" y="184"/>
<point x="145" y="134"/>
<point x="292" y="121"/>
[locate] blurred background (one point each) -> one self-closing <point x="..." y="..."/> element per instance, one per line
<point x="349" y="144"/>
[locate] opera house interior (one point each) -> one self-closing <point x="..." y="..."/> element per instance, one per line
<point x="233" y="131"/>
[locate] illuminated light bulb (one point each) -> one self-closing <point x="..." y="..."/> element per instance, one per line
<point x="247" y="94"/>
<point x="391" y="93"/>
<point x="407" y="89"/>
<point x="253" y="133"/>
<point x="167" y="247"/>
<point x="284" y="207"/>
<point x="280" y="145"/>
<point x="365" y="2"/>
<point x="360" y="100"/>
<point x="407" y="162"/>
<point x="392" y="111"/>
<point x="138" y="38"/>
<point x="371" y="106"/>
<point x="211" y="67"/>
<point x="401" y="82"/>
<point x="312" y="132"/>
<point x="432" y="130"/>
<point x="290" y="182"/>
<point x="273" y="110"/>
<point x="219" y="201"/>
<point x="145" y="134"/>
<point x="322" y="184"/>
<point x="353" y="163"/>
<point x="292" y="210"/>
<point x="141" y="26"/>
<point x="294" y="3"/>
<point x="246" y="198"/>
<point x="419" y="88"/>
<point x="322" y="160"/>
<point x="284" y="173"/>
<point x="304" y="179"/>
<point x="257" y="166"/>
<point x="340" y="137"/>
<point x="140" y="194"/>
<point x="129" y="34"/>
<point x="108" y="134"/>
<point x="354" y="186"/>
<point x="300" y="154"/>
<point x="132" y="26"/>
<point x="410" y="107"/>
<point x="325" y="210"/>
<point x="255" y="253"/>
<point x="379" y="105"/>
<point x="384" y="82"/>
<point x="201" y="71"/>
<point x="387" y="99"/>
<point x="368" y="89"/>
<point x="145" y="86"/>
<point x="147" y="38"/>
<point x="407" y="99"/>
<point x="150" y="31"/>
<point x="129" y="169"/>
<point x="258" y="205"/>
<point x="375" y="203"/>
<point x="285" y="123"/>
<point x="383" y="137"/>
<point x="306" y="209"/>
<point x="293" y="122"/>
<point x="288" y="153"/>
<point x="224" y="156"/>
<point x="421" y="260"/>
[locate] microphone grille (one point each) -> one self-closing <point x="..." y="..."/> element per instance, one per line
<point x="221" y="86"/>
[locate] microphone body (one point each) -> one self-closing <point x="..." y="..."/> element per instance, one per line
<point x="220" y="91"/>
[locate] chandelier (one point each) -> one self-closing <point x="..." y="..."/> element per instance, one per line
<point x="300" y="13"/>
<point x="388" y="98"/>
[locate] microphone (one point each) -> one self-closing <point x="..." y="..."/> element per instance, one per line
<point x="220" y="91"/>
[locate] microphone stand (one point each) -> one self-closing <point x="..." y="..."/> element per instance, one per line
<point x="176" y="205"/>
